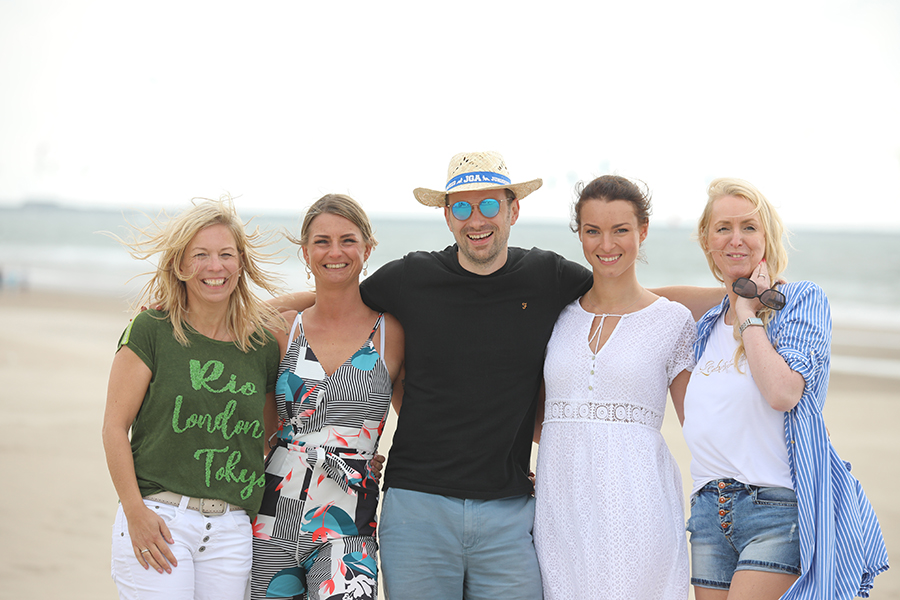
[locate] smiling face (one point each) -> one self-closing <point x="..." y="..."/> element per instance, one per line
<point x="483" y="242"/>
<point x="213" y="262"/>
<point x="335" y="250"/>
<point x="610" y="236"/>
<point x="735" y="239"/>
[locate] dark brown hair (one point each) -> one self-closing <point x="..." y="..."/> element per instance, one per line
<point x="609" y="188"/>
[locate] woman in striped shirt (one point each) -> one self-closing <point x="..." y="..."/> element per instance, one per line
<point x="775" y="513"/>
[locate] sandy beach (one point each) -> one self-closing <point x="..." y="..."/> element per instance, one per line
<point x="55" y="353"/>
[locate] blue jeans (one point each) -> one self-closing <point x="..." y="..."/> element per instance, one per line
<point x="735" y="527"/>
<point x="441" y="547"/>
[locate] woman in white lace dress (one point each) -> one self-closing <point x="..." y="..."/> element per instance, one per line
<point x="609" y="519"/>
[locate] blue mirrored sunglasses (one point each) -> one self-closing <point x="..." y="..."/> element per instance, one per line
<point x="489" y="208"/>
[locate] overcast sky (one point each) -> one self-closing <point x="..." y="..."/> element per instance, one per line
<point x="148" y="104"/>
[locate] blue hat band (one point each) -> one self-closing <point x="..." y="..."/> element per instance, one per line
<point x="478" y="177"/>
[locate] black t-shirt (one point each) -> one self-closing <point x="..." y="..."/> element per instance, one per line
<point x="474" y="359"/>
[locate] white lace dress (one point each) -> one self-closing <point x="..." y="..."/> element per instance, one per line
<point x="609" y="516"/>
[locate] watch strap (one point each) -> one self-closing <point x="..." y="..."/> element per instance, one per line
<point x="751" y="322"/>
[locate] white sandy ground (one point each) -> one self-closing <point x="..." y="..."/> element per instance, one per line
<point x="58" y="503"/>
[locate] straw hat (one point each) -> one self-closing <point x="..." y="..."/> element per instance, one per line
<point x="475" y="171"/>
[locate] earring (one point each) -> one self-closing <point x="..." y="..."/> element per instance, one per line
<point x="308" y="272"/>
<point x="366" y="268"/>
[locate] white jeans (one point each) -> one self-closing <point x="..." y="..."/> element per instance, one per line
<point x="214" y="556"/>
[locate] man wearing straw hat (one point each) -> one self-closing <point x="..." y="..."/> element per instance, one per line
<point x="457" y="514"/>
<point x="458" y="511"/>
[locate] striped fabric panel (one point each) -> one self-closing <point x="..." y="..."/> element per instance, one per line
<point x="290" y="518"/>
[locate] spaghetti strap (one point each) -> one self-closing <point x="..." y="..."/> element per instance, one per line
<point x="378" y="322"/>
<point x="294" y="327"/>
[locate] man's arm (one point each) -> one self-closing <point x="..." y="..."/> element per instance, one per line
<point x="298" y="301"/>
<point x="697" y="299"/>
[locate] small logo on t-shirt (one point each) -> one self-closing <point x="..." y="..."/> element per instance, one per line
<point x="711" y="367"/>
<point x="524" y="305"/>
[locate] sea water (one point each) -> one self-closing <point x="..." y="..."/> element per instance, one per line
<point x="51" y="248"/>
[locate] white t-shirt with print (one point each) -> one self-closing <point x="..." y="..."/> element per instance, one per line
<point x="730" y="429"/>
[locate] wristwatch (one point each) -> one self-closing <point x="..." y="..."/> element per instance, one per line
<point x="752" y="321"/>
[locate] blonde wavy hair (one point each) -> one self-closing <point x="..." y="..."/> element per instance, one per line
<point x="772" y="226"/>
<point x="168" y="238"/>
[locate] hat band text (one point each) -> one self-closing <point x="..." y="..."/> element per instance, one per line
<point x="478" y="177"/>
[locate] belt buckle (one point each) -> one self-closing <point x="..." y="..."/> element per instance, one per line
<point x="212" y="507"/>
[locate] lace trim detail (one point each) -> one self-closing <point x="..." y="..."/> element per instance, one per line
<point x="610" y="412"/>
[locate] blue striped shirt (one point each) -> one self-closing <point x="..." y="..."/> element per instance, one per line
<point x="841" y="545"/>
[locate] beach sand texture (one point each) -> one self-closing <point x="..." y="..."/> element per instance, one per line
<point x="58" y="502"/>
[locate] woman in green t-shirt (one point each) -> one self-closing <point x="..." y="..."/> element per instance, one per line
<point x="190" y="381"/>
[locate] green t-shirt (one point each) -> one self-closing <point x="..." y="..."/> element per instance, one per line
<point x="199" y="431"/>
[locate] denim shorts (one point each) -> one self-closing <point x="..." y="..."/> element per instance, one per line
<point x="738" y="527"/>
